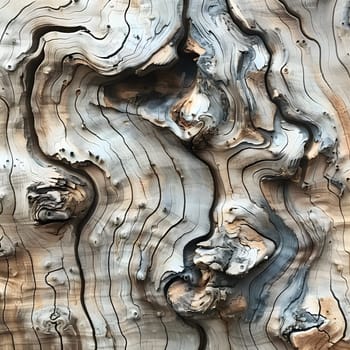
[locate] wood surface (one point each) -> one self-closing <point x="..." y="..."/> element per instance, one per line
<point x="174" y="174"/>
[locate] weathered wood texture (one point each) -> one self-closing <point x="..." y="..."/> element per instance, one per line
<point x="174" y="174"/>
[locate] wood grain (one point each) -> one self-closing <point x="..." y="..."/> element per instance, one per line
<point x="174" y="174"/>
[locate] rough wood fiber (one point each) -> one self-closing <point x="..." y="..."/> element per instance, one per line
<point x="174" y="174"/>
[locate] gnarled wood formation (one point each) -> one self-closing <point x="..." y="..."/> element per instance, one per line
<point x="174" y="174"/>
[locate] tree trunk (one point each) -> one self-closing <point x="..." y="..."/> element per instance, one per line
<point x="175" y="174"/>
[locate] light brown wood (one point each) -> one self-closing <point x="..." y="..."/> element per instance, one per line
<point x="174" y="174"/>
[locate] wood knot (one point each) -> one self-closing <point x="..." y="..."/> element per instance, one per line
<point x="58" y="200"/>
<point x="51" y="320"/>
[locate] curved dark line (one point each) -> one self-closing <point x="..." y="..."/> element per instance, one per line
<point x="125" y="38"/>
<point x="14" y="18"/>
<point x="4" y="306"/>
<point x="11" y="155"/>
<point x="34" y="148"/>
<point x="122" y="221"/>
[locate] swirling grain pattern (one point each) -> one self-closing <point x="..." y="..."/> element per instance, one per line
<point x="174" y="174"/>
